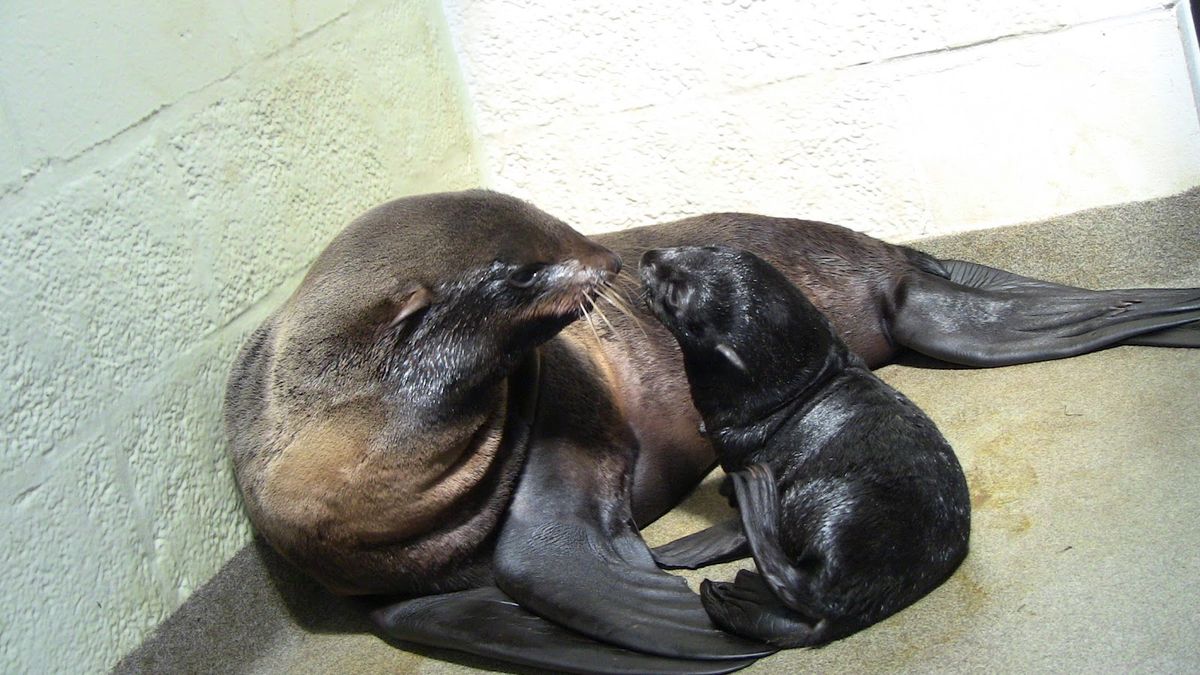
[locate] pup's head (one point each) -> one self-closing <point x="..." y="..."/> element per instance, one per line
<point x="749" y="337"/>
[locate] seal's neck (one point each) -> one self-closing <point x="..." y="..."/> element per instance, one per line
<point x="775" y="370"/>
<point x="739" y="430"/>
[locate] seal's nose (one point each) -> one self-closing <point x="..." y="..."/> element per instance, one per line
<point x="657" y="264"/>
<point x="615" y="267"/>
<point x="603" y="259"/>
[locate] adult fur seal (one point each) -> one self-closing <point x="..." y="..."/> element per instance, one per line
<point x="852" y="502"/>
<point x="380" y="419"/>
<point x="396" y="428"/>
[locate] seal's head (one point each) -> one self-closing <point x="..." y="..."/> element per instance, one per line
<point x="749" y="337"/>
<point x="440" y="293"/>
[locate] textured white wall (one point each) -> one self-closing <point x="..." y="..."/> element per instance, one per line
<point x="167" y="171"/>
<point x="898" y="118"/>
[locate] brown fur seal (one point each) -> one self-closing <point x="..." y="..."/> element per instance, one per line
<point x="379" y="420"/>
<point x="852" y="502"/>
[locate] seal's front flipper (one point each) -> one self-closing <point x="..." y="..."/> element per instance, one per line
<point x="748" y="607"/>
<point x="759" y="505"/>
<point x="779" y="604"/>
<point x="717" y="544"/>
<point x="569" y="551"/>
<point x="982" y="316"/>
<point x="485" y="622"/>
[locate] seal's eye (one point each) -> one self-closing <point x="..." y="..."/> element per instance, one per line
<point x="678" y="295"/>
<point x="523" y="277"/>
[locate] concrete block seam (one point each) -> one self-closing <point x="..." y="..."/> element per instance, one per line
<point x="1127" y="18"/>
<point x="190" y="101"/>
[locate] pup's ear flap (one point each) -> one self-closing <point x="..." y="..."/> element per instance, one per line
<point x="412" y="300"/>
<point x="728" y="352"/>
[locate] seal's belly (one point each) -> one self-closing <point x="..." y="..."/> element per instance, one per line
<point x="673" y="459"/>
<point x="645" y="374"/>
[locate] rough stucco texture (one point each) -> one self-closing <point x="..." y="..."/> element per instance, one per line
<point x="152" y="214"/>
<point x="900" y="119"/>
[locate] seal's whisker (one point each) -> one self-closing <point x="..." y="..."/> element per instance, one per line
<point x="616" y="301"/>
<point x="625" y="294"/>
<point x="635" y="292"/>
<point x="615" y="296"/>
<point x="608" y="323"/>
<point x="637" y="299"/>
<point x="588" y="317"/>
<point x="632" y="287"/>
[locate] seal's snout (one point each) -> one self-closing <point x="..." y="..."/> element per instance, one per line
<point x="604" y="260"/>
<point x="614" y="263"/>
<point x="667" y="289"/>
<point x="649" y="267"/>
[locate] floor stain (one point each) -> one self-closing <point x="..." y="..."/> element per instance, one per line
<point x="1000" y="480"/>
<point x="960" y="599"/>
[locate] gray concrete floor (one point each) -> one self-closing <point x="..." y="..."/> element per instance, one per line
<point x="1085" y="544"/>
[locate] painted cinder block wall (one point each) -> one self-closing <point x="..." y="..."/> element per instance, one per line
<point x="167" y="172"/>
<point x="901" y="119"/>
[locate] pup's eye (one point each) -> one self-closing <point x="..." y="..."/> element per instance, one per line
<point x="523" y="277"/>
<point x="678" y="294"/>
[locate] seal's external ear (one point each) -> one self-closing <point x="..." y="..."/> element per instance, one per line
<point x="412" y="300"/>
<point x="727" y="351"/>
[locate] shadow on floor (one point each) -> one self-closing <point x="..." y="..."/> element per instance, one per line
<point x="232" y="619"/>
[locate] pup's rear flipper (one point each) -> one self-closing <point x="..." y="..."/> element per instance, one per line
<point x="982" y="316"/>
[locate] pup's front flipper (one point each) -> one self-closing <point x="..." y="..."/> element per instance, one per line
<point x="982" y="316"/>
<point x="485" y="622"/>
<point x="717" y="544"/>
<point x="779" y="605"/>
<point x="747" y="606"/>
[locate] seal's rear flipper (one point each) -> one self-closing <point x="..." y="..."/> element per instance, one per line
<point x="1187" y="335"/>
<point x="717" y="544"/>
<point x="982" y="316"/>
<point x="485" y="622"/>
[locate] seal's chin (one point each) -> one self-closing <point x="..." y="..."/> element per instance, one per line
<point x="571" y="296"/>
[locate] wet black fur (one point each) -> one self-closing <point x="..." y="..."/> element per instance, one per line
<point x="854" y="504"/>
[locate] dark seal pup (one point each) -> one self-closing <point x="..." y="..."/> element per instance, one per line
<point x="853" y="504"/>
<point x="416" y="420"/>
